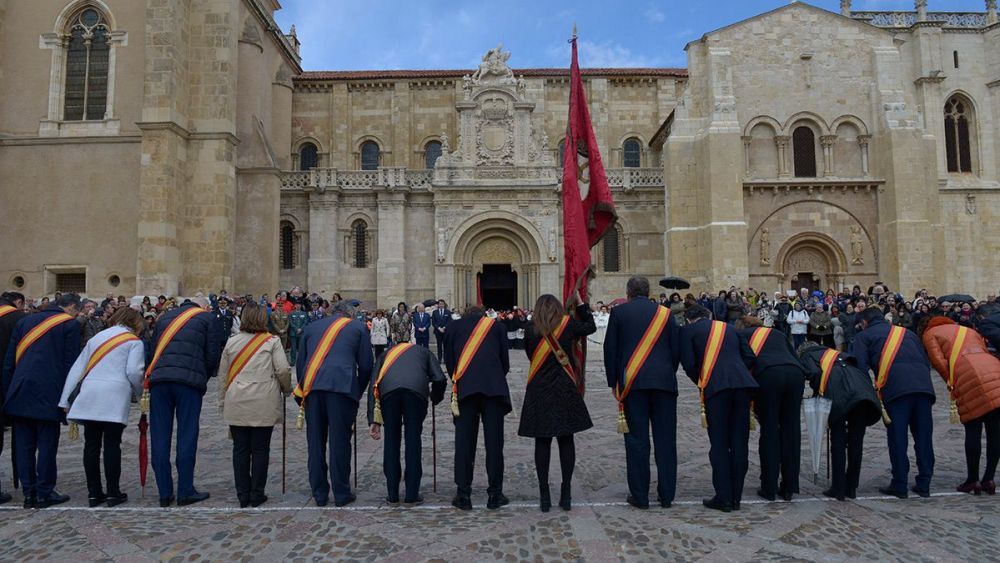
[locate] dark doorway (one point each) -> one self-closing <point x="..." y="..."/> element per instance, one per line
<point x="806" y="280"/>
<point x="498" y="284"/>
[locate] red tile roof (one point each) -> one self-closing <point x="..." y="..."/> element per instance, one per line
<point x="533" y="72"/>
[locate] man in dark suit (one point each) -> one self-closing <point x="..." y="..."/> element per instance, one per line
<point x="652" y="397"/>
<point x="422" y="327"/>
<point x="403" y="394"/>
<point x="907" y="395"/>
<point x="42" y="349"/>
<point x="11" y="311"/>
<point x="178" y="381"/>
<point x="482" y="392"/>
<point x="726" y="387"/>
<point x="331" y="403"/>
<point x="782" y="379"/>
<point x="440" y="319"/>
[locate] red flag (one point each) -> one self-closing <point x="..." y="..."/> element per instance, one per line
<point x="588" y="208"/>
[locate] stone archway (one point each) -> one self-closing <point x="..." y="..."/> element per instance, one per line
<point x="813" y="261"/>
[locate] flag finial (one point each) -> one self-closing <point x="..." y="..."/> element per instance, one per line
<point x="574" y="30"/>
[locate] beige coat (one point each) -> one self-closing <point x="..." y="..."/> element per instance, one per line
<point x="254" y="398"/>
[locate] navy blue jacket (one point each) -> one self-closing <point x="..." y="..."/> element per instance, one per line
<point x="910" y="372"/>
<point x="626" y="326"/>
<point x="719" y="309"/>
<point x="33" y="388"/>
<point x="487" y="374"/>
<point x="734" y="358"/>
<point x="441" y="318"/>
<point x="7" y="324"/>
<point x="193" y="355"/>
<point x="776" y="352"/>
<point x="422" y="320"/>
<point x="347" y="368"/>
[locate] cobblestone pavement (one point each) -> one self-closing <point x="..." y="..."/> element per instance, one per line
<point x="599" y="528"/>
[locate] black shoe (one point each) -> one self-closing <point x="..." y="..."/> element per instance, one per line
<point x="342" y="503"/>
<point x="165" y="502"/>
<point x="851" y="494"/>
<point x="258" y="501"/>
<point x="30" y="502"/>
<point x="392" y="500"/>
<point x="787" y="497"/>
<point x="53" y="499"/>
<point x="765" y="496"/>
<point x="717" y="505"/>
<point x="665" y="504"/>
<point x="830" y="493"/>
<point x="114" y="499"/>
<point x="566" y="496"/>
<point x="461" y="502"/>
<point x="414" y="501"/>
<point x="196" y="497"/>
<point x="98" y="500"/>
<point x="889" y="491"/>
<point x="640" y="505"/>
<point x="244" y="502"/>
<point x="922" y="493"/>
<point x="321" y="503"/>
<point x="736" y="506"/>
<point x="544" y="498"/>
<point x="496" y="500"/>
<point x="5" y="498"/>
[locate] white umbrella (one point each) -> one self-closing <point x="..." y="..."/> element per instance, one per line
<point x="817" y="412"/>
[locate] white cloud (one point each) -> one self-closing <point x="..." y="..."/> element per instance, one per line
<point x="601" y="54"/>
<point x="654" y="15"/>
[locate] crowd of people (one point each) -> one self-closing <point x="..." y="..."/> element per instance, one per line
<point x="68" y="359"/>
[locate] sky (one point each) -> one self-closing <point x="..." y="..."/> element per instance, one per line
<point x="439" y="34"/>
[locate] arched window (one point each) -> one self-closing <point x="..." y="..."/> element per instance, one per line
<point x="308" y="156"/>
<point x="632" y="153"/>
<point x="432" y="150"/>
<point x="359" y="232"/>
<point x="370" y="155"/>
<point x="804" y="152"/>
<point x="958" y="134"/>
<point x="286" y="250"/>
<point x="87" y="56"/>
<point x="612" y="250"/>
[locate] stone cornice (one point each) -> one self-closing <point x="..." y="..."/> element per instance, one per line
<point x="180" y="131"/>
<point x="34" y="141"/>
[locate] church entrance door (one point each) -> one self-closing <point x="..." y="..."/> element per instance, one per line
<point x="498" y="284"/>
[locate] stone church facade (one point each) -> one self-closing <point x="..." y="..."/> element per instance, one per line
<point x="174" y="146"/>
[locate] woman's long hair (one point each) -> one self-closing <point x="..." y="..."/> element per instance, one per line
<point x="548" y="314"/>
<point x="253" y="319"/>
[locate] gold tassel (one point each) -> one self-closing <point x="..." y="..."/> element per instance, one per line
<point x="378" y="412"/>
<point x="622" y="423"/>
<point x="953" y="413"/>
<point x="885" y="415"/>
<point x="454" y="403"/>
<point x="74" y="431"/>
<point x="704" y="416"/>
<point x="144" y="402"/>
<point x="300" y="421"/>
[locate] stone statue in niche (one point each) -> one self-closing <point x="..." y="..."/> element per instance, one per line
<point x="442" y="244"/>
<point x="857" y="246"/>
<point x="553" y="243"/>
<point x="765" y="247"/>
<point x="522" y="87"/>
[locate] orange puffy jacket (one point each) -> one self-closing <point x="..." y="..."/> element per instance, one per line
<point x="976" y="389"/>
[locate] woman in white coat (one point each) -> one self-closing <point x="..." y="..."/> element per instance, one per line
<point x="380" y="333"/>
<point x="98" y="393"/>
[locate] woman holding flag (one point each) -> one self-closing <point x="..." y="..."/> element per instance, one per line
<point x="98" y="393"/>
<point x="553" y="401"/>
<point x="256" y="380"/>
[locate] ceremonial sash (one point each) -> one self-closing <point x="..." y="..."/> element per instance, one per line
<point x="758" y="339"/>
<point x="826" y="366"/>
<point x="713" y="347"/>
<point x="892" y="345"/>
<point x="390" y="358"/>
<point x="637" y="360"/>
<point x="243" y="357"/>
<point x="106" y="348"/>
<point x="173" y="328"/>
<point x="40" y="330"/>
<point x="956" y="350"/>
<point x="6" y="309"/>
<point x="319" y="355"/>
<point x="465" y="358"/>
<point x="545" y="347"/>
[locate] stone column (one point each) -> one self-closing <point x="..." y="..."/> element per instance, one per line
<point x="921" y="6"/>
<point x="390" y="265"/>
<point x="863" y="144"/>
<point x="827" y="141"/>
<point x="324" y="257"/>
<point x="991" y="12"/>
<point x="845" y="8"/>
<point x="746" y="155"/>
<point x="782" y="142"/>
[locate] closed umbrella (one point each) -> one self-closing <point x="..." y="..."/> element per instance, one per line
<point x="143" y="452"/>
<point x="817" y="413"/>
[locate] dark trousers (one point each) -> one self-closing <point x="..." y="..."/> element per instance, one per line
<point x="37" y="442"/>
<point x="847" y="439"/>
<point x="797" y="340"/>
<point x="779" y="400"/>
<point x="403" y="414"/>
<point x="471" y="409"/>
<point x="168" y="401"/>
<point x="645" y="409"/>
<point x="973" y="445"/>
<point x="108" y="434"/>
<point x="911" y="413"/>
<point x="379" y="349"/>
<point x="251" y="455"/>
<point x="330" y="418"/>
<point x="423" y="339"/>
<point x="823" y="340"/>
<point x="294" y="350"/>
<point x="729" y="433"/>
<point x="439" y="338"/>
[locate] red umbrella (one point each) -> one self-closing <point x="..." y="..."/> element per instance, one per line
<point x="143" y="452"/>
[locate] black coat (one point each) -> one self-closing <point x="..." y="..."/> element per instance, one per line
<point x="193" y="355"/>
<point x="34" y="386"/>
<point x="910" y="372"/>
<point x="848" y="388"/>
<point x="989" y="327"/>
<point x="415" y="370"/>
<point x="553" y="406"/>
<point x="731" y="368"/>
<point x="777" y="351"/>
<point x="626" y="326"/>
<point x="7" y="323"/>
<point x="487" y="373"/>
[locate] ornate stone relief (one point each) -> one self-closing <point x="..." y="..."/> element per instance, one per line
<point x="765" y="247"/>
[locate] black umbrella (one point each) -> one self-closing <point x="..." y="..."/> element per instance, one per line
<point x="672" y="282"/>
<point x="430" y="302"/>
<point x="957" y="298"/>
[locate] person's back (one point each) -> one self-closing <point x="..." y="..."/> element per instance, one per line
<point x="910" y="370"/>
<point x="192" y="356"/>
<point x="976" y="378"/>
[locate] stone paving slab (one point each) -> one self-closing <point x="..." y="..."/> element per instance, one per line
<point x="601" y="527"/>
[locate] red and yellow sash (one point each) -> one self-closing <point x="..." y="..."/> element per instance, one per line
<point x="173" y="328"/>
<point x="319" y="355"/>
<point x="6" y="310"/>
<point x="545" y="348"/>
<point x="106" y="348"/>
<point x="892" y="345"/>
<point x="712" y="349"/>
<point x="390" y="358"/>
<point x="956" y="351"/>
<point x="637" y="360"/>
<point x="758" y="339"/>
<point x="243" y="357"/>
<point x="40" y="330"/>
<point x="465" y="358"/>
<point x="826" y="367"/>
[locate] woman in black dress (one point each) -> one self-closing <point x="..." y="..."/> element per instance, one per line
<point x="553" y="401"/>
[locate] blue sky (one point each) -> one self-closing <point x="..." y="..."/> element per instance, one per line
<point x="437" y="34"/>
